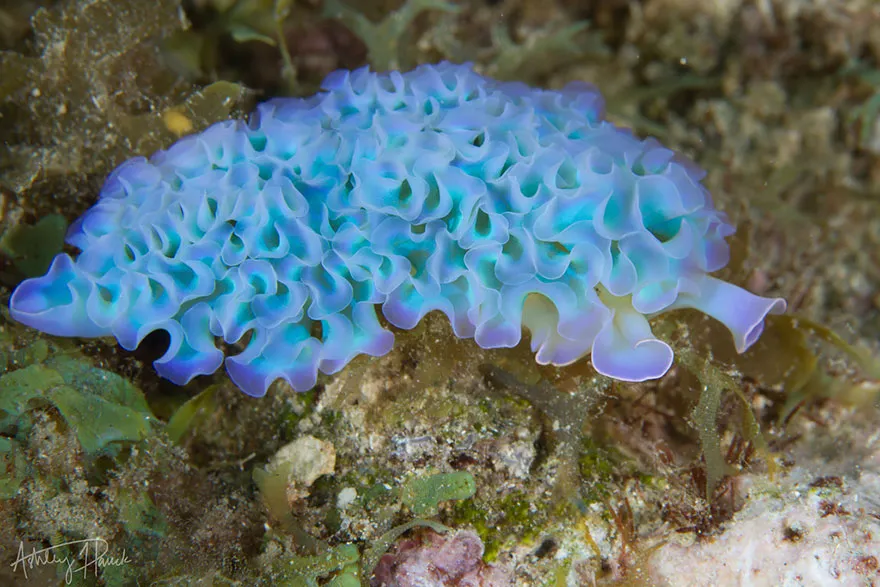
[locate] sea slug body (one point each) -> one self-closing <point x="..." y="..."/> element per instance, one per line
<point x="501" y="205"/>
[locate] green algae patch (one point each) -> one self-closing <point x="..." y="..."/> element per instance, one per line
<point x="803" y="377"/>
<point x="514" y="518"/>
<point x="381" y="545"/>
<point x="14" y="463"/>
<point x="304" y="571"/>
<point x="783" y="357"/>
<point x="602" y="469"/>
<point x="713" y="383"/>
<point x="139" y="514"/>
<point x="383" y="40"/>
<point x="192" y="413"/>
<point x="294" y="410"/>
<point x="866" y="113"/>
<point x="100" y="407"/>
<point x="32" y="248"/>
<point x="99" y="415"/>
<point x="424" y="494"/>
<point x="36" y="352"/>
<point x="514" y="61"/>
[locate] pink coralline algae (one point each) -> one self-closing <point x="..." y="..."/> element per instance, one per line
<point x="433" y="560"/>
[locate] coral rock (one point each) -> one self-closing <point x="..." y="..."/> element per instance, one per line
<point x="432" y="560"/>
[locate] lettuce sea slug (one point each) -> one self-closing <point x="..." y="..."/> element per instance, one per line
<point x="501" y="205"/>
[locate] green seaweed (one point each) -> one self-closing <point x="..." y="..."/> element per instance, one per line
<point x="35" y="352"/>
<point x="15" y="466"/>
<point x="139" y="515"/>
<point x="103" y="411"/>
<point x="513" y="517"/>
<point x="99" y="406"/>
<point x="381" y="545"/>
<point x="188" y="416"/>
<point x="866" y="113"/>
<point x="386" y="40"/>
<point x="102" y="408"/>
<point x="868" y="363"/>
<point x="700" y="359"/>
<point x="297" y="408"/>
<point x="304" y="571"/>
<point x="705" y="413"/>
<point x="627" y="105"/>
<point x="424" y="494"/>
<point x="602" y="467"/>
<point x="782" y="357"/>
<point x="421" y="494"/>
<point x="805" y="380"/>
<point x="531" y="61"/>
<point x="197" y="53"/>
<point x="32" y="248"/>
<point x="249" y="20"/>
